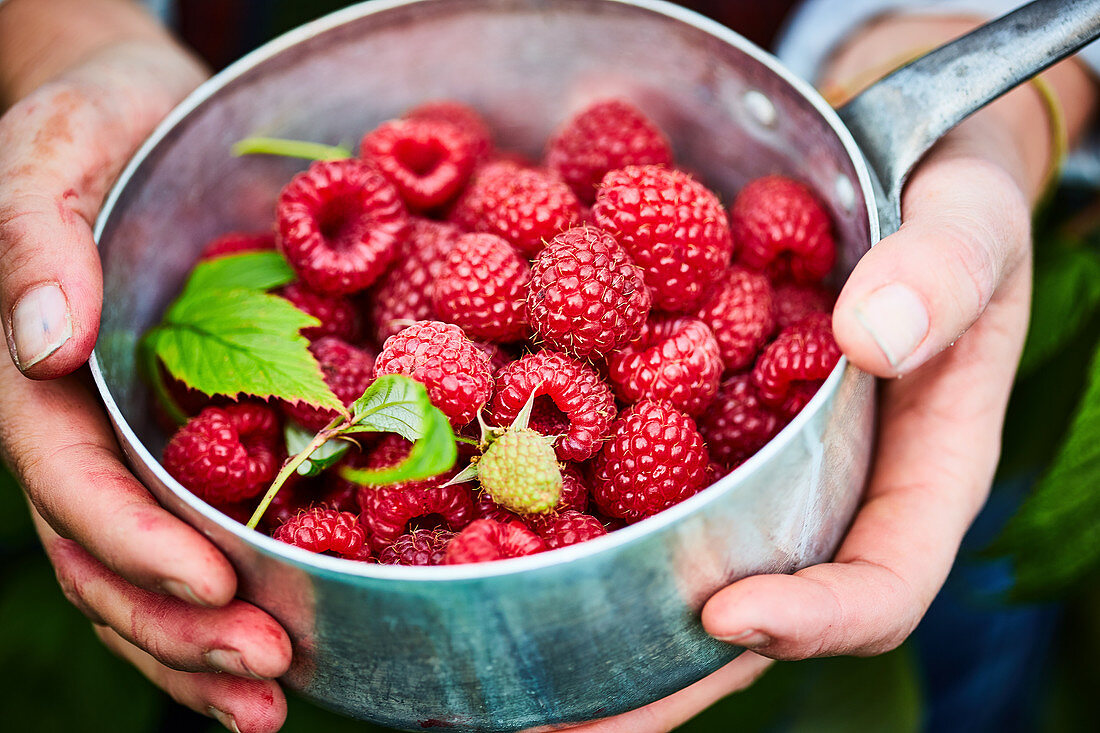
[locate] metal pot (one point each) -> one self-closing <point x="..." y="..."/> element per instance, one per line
<point x="609" y="625"/>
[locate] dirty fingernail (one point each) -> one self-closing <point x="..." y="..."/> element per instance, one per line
<point x="228" y="660"/>
<point x="40" y="325"/>
<point x="224" y="718"/>
<point x="183" y="591"/>
<point x="896" y="318"/>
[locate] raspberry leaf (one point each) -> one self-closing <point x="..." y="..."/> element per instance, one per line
<point x="225" y="335"/>
<point x="331" y="451"/>
<point x="430" y="456"/>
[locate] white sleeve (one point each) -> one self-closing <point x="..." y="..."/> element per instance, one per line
<point x="818" y="26"/>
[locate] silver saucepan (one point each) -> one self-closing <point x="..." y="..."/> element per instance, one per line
<point x="609" y="625"/>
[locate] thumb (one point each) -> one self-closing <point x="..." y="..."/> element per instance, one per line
<point x="966" y="229"/>
<point x="60" y="149"/>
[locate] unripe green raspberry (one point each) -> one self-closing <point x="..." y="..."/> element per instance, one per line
<point x="520" y="472"/>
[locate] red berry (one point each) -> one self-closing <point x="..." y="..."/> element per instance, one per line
<point x="428" y="161"/>
<point x="484" y="540"/>
<point x="526" y="207"/>
<point x="780" y="227"/>
<point x="586" y="297"/>
<point x="300" y="494"/>
<point x="675" y="359"/>
<point x="653" y="459"/>
<point x="567" y="528"/>
<point x="226" y="454"/>
<point x="486" y="508"/>
<point x="324" y="530"/>
<point x="793" y="366"/>
<point x="606" y="136"/>
<point x="404" y="292"/>
<point x="794" y="301"/>
<point x="336" y="313"/>
<point x="465" y="118"/>
<point x="419" y="547"/>
<point x="438" y="355"/>
<point x="580" y="407"/>
<point x="741" y="313"/>
<point x="391" y="510"/>
<point x="574" y="490"/>
<point x="498" y="357"/>
<point x="347" y="370"/>
<point x="238" y="243"/>
<point x="339" y="225"/>
<point x="675" y="230"/>
<point x="481" y="287"/>
<point x="737" y="424"/>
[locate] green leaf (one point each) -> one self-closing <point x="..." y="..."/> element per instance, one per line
<point x="1054" y="538"/>
<point x="397" y="404"/>
<point x="298" y="440"/>
<point x="227" y="342"/>
<point x="1066" y="294"/>
<point x="290" y="148"/>
<point x="244" y="271"/>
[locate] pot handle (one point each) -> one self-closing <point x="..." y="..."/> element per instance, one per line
<point x="900" y="117"/>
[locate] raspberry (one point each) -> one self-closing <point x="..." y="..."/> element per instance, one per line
<point x="486" y="540"/>
<point x="404" y="293"/>
<point x="418" y="547"/>
<point x="439" y="356"/>
<point x="781" y="228"/>
<point x="567" y="528"/>
<point x="574" y="490"/>
<point x="466" y="119"/>
<point x="793" y="366"/>
<point x="339" y="225"/>
<point x="586" y="296"/>
<point x="301" y="494"/>
<point x="427" y="160"/>
<point x="675" y="230"/>
<point x="237" y="243"/>
<point x="226" y="454"/>
<point x="389" y="511"/>
<point x="606" y="136"/>
<point x="737" y="424"/>
<point x="337" y="315"/>
<point x="675" y="359"/>
<point x="324" y="530"/>
<point x="653" y="459"/>
<point x="526" y="207"/>
<point x="582" y="405"/>
<point x="486" y="508"/>
<point x="481" y="287"/>
<point x="347" y="370"/>
<point x="498" y="357"/>
<point x="794" y="301"/>
<point x="741" y="313"/>
<point x="519" y="470"/>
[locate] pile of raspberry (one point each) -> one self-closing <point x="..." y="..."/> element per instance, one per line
<point x="665" y="338"/>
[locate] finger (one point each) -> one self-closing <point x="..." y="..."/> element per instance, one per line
<point x="247" y="706"/>
<point x="939" y="444"/>
<point x="917" y="291"/>
<point x="674" y="710"/>
<point x="238" y="638"/>
<point x="61" y="449"/>
<point x="60" y="148"/>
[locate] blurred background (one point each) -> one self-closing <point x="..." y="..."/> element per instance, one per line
<point x="1010" y="644"/>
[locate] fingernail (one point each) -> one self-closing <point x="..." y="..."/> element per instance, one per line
<point x="183" y="591"/>
<point x="895" y="317"/>
<point x="747" y="638"/>
<point x="228" y="660"/>
<point x="224" y="718"/>
<point x="40" y="324"/>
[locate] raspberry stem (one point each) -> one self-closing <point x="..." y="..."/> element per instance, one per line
<point x="291" y="465"/>
<point x="290" y="148"/>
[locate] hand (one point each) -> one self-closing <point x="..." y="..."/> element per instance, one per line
<point x="160" y="594"/>
<point x="944" y="302"/>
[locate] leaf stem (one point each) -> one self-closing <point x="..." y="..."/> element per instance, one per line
<point x="291" y="465"/>
<point x="290" y="148"/>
